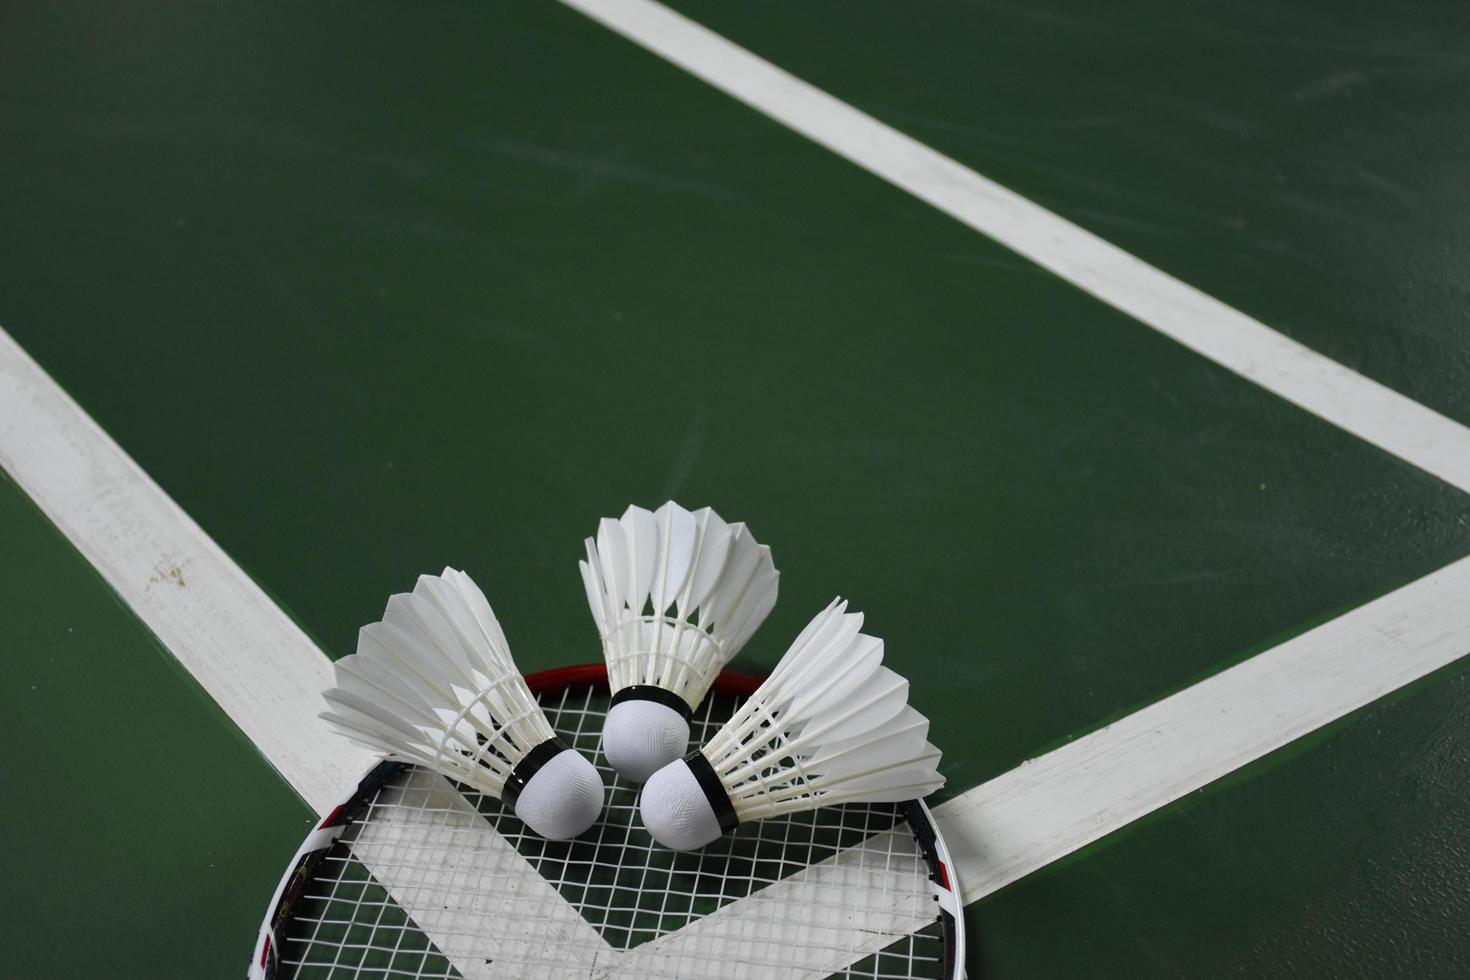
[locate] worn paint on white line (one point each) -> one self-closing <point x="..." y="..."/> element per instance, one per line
<point x="243" y="650"/>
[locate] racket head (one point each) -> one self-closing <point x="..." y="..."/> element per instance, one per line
<point x="414" y="876"/>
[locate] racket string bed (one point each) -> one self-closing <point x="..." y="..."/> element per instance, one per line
<point x="434" y="880"/>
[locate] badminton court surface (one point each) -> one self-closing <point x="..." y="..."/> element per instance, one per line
<point x="368" y="289"/>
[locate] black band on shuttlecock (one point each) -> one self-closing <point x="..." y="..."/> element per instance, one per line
<point x="647" y="692"/>
<point x="529" y="766"/>
<point x="714" y="790"/>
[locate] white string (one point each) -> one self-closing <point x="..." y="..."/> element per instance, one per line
<point x="458" y="888"/>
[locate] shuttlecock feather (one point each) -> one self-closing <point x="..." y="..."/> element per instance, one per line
<point x="675" y="595"/>
<point x="830" y="725"/>
<point x="434" y="684"/>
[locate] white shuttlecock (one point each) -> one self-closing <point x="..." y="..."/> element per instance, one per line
<point x="434" y="684"/>
<point x="675" y="596"/>
<point x="830" y="725"/>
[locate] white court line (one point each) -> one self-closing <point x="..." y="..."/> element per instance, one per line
<point x="827" y="916"/>
<point x="446" y="866"/>
<point x="242" y="649"/>
<point x="1359" y="405"/>
<point x="1051" y="806"/>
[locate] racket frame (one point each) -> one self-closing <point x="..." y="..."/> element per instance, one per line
<point x="265" y="963"/>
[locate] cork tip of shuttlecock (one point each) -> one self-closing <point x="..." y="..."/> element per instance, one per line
<point x="563" y="798"/>
<point x="676" y="810"/>
<point x="640" y="737"/>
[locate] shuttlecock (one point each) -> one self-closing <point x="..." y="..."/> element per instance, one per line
<point x="830" y="725"/>
<point x="675" y="595"/>
<point x="434" y="684"/>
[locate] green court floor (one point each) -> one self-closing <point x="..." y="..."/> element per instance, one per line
<point x="370" y="288"/>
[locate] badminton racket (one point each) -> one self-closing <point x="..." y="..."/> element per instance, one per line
<point x="415" y="876"/>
